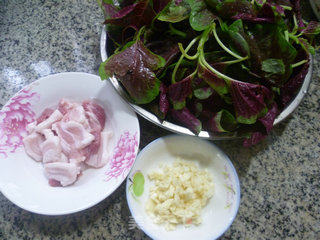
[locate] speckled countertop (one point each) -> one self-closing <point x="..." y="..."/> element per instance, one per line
<point x="280" y="177"/>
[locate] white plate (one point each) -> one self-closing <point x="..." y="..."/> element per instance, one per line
<point x="222" y="208"/>
<point x="22" y="180"/>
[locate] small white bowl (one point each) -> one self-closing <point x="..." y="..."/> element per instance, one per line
<point x="221" y="209"/>
<point x="22" y="180"/>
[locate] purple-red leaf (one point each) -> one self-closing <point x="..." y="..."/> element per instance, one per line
<point x="179" y="91"/>
<point x="228" y="9"/>
<point x="217" y="83"/>
<point x="166" y="49"/>
<point x="252" y="18"/>
<point x="109" y="10"/>
<point x="136" y="15"/>
<point x="249" y="101"/>
<point x="265" y="15"/>
<point x="267" y="122"/>
<point x="159" y="5"/>
<point x="254" y="139"/>
<point x="297" y="11"/>
<point x="268" y="119"/>
<point x="222" y="121"/>
<point x="313" y="28"/>
<point x="288" y="91"/>
<point x="135" y="68"/>
<point x="185" y="117"/>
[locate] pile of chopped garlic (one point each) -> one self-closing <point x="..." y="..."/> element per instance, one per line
<point x="179" y="193"/>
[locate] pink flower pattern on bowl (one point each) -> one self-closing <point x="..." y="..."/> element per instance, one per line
<point x="124" y="155"/>
<point x="14" y="117"/>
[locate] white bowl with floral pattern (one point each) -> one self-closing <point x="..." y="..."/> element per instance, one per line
<point x="217" y="215"/>
<point x="22" y="179"/>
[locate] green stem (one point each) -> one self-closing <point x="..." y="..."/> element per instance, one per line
<point x="140" y="32"/>
<point x="173" y="78"/>
<point x="286" y="35"/>
<point x="219" y="74"/>
<point x="299" y="63"/>
<point x="286" y="7"/>
<point x="175" y="31"/>
<point x="118" y="49"/>
<point x="204" y="38"/>
<point x="236" y="61"/>
<point x="295" y="28"/>
<point x="293" y="37"/>
<point x="187" y="55"/>
<point x="203" y="61"/>
<point x="223" y="46"/>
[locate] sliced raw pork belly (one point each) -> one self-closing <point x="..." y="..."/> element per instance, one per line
<point x="100" y="158"/>
<point x="73" y="135"/>
<point x="44" y="115"/>
<point x="68" y="140"/>
<point x="32" y="144"/>
<point x="65" y="173"/>
<point x="97" y="110"/>
<point x="54" y="117"/>
<point x="51" y="148"/>
<point x="66" y="105"/>
<point x="96" y="118"/>
<point x="77" y="114"/>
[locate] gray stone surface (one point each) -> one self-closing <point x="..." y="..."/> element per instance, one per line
<point x="280" y="177"/>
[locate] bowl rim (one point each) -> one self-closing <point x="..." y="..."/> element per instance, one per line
<point x="223" y="154"/>
<point x="93" y="203"/>
<point x="203" y="134"/>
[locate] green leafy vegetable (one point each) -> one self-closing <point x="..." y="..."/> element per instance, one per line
<point x="134" y="67"/>
<point x="273" y="66"/>
<point x="221" y="65"/>
<point x="203" y="93"/>
<point x="201" y="17"/>
<point x="175" y="12"/>
<point x="222" y="121"/>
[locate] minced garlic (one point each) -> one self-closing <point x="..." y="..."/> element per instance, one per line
<point x="179" y="193"/>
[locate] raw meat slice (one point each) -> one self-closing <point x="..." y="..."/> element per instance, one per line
<point x="77" y="114"/>
<point x="65" y="173"/>
<point x="66" y="148"/>
<point x="95" y="127"/>
<point x="54" y="183"/>
<point x="45" y="115"/>
<point x="54" y="117"/>
<point x="102" y="156"/>
<point x="69" y="140"/>
<point x="96" y="109"/>
<point x="96" y="120"/>
<point x="47" y="133"/>
<point x="66" y="105"/>
<point x="74" y="134"/>
<point x="51" y="148"/>
<point x="32" y="146"/>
